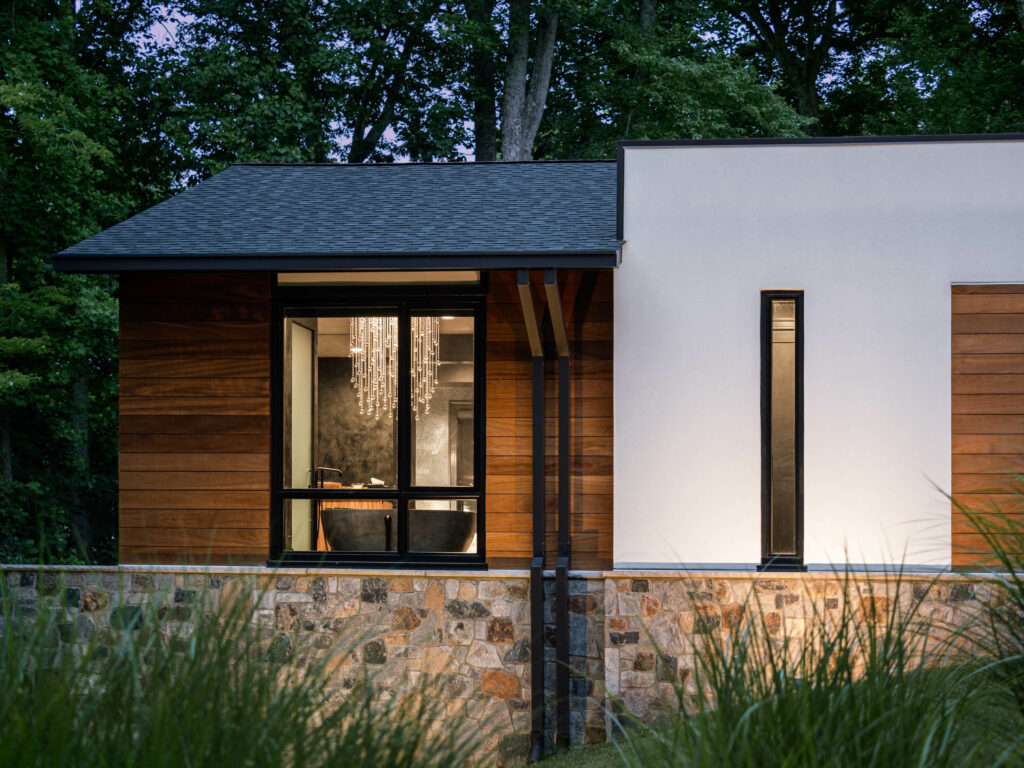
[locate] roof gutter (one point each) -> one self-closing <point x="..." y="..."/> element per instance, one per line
<point x="603" y="258"/>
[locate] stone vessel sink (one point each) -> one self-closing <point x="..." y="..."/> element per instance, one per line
<point x="376" y="530"/>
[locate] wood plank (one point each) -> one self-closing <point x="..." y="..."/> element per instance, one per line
<point x="1011" y="525"/>
<point x="191" y="312"/>
<point x="197" y="287"/>
<point x="181" y="556"/>
<point x="988" y="288"/>
<point x="968" y="444"/>
<point x="988" y="323"/>
<point x="988" y="343"/>
<point x="194" y="462"/>
<point x="505" y="543"/>
<point x="195" y="406"/>
<point x="976" y="543"/>
<point x="194" y="499"/>
<point x="585" y="427"/>
<point x="1002" y="303"/>
<point x="981" y="503"/>
<point x="988" y="384"/>
<point x="188" y="387"/>
<point x="161" y="330"/>
<point x="988" y="425"/>
<point x="1005" y="404"/>
<point x="195" y="426"/>
<point x="509" y="523"/>
<point x="985" y="483"/>
<point x="195" y="518"/>
<point x="128" y="348"/>
<point x="194" y="443"/>
<point x="983" y="463"/>
<point x="523" y="446"/>
<point x="965" y="364"/>
<point x="193" y="481"/>
<point x="211" y="539"/>
<point x="194" y="368"/>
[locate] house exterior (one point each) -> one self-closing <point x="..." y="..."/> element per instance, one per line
<point x="716" y="356"/>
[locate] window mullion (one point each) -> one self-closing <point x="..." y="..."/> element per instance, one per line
<point x="404" y="426"/>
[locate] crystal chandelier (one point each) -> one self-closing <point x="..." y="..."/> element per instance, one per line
<point x="374" y="343"/>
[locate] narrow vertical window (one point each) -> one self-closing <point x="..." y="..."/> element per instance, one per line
<point x="782" y="429"/>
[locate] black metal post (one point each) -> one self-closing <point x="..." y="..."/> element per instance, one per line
<point x="537" y="559"/>
<point x="562" y="563"/>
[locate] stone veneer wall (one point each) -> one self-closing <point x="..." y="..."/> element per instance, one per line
<point x="473" y="627"/>
<point x="652" y="619"/>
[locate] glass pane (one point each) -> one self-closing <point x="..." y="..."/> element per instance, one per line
<point x="441" y="358"/>
<point x="340" y="402"/>
<point x="447" y="525"/>
<point x="783" y="428"/>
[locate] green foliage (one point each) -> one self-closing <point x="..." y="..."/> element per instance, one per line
<point x="619" y="79"/>
<point x="67" y="138"/>
<point x="217" y="690"/>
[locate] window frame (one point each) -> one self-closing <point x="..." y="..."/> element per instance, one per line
<point x="771" y="561"/>
<point x="403" y="301"/>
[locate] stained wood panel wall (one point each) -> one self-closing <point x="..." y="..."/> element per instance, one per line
<point x="194" y="418"/>
<point x="587" y="305"/>
<point x="988" y="409"/>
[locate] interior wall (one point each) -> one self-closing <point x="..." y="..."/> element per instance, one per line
<point x="360" y="447"/>
<point x="875" y="234"/>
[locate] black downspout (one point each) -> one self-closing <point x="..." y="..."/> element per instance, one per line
<point x="564" y="547"/>
<point x="537" y="559"/>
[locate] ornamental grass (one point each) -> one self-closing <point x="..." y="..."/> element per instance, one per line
<point x="218" y="691"/>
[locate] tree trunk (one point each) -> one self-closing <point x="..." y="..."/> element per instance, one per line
<point x="483" y="70"/>
<point x="6" y="457"/>
<point x="648" y="10"/>
<point x="526" y="82"/>
<point x="80" y="430"/>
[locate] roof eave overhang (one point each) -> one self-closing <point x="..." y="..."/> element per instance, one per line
<point x="603" y="258"/>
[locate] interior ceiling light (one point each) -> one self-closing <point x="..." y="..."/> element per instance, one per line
<point x="375" y="363"/>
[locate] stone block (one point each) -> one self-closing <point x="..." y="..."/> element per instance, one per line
<point x="461" y="609"/>
<point x="500" y="631"/>
<point x="517" y="590"/>
<point x="649" y="606"/>
<point x="434" y="596"/>
<point x="491" y="589"/>
<point x="375" y="652"/>
<point x="318" y="589"/>
<point x="518" y="653"/>
<point x="639" y="585"/>
<point x="374" y="590"/>
<point x="496" y="682"/>
<point x="405" y="619"/>
<point x="401" y="584"/>
<point x="482" y="655"/>
<point x="95" y="601"/>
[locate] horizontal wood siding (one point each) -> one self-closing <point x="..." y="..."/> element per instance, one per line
<point x="195" y="418"/>
<point x="587" y="305"/>
<point x="988" y="411"/>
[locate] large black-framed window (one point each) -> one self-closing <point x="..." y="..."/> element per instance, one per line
<point x="782" y="427"/>
<point x="377" y="448"/>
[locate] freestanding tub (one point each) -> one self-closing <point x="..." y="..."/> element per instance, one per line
<point x="376" y="530"/>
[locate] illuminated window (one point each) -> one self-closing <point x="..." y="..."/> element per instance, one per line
<point x="782" y="429"/>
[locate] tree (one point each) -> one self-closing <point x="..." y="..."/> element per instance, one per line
<point x="641" y="73"/>
<point x="73" y="159"/>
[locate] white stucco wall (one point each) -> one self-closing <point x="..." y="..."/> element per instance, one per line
<point x="874" y="234"/>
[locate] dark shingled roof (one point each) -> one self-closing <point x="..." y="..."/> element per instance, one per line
<point x="322" y="216"/>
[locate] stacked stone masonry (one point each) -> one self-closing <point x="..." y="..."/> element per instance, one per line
<point x="632" y="635"/>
